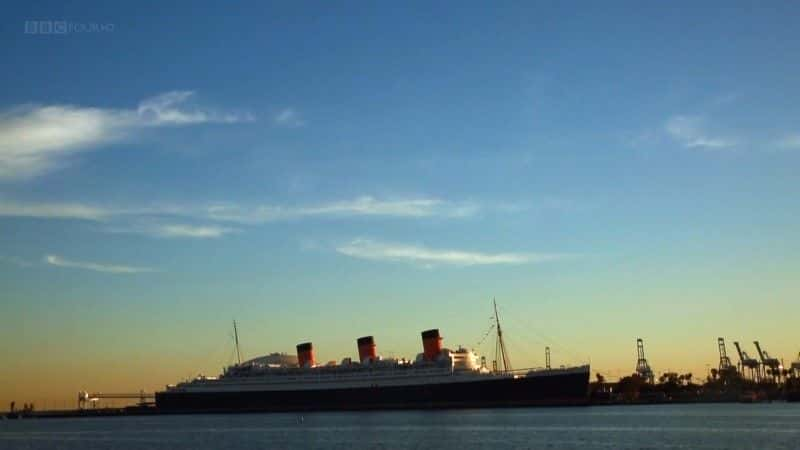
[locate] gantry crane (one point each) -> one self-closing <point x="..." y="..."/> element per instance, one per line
<point x="642" y="366"/>
<point x="725" y="366"/>
<point x="747" y="362"/>
<point x="796" y="366"/>
<point x="769" y="362"/>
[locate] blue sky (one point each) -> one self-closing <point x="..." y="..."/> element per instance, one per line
<point x="605" y="170"/>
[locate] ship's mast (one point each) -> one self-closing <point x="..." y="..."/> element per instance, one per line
<point x="236" y="339"/>
<point x="500" y="345"/>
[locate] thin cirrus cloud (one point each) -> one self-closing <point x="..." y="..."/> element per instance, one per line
<point x="690" y="131"/>
<point x="790" y="142"/>
<point x="288" y="118"/>
<point x="232" y="212"/>
<point x="52" y="210"/>
<point x="166" y="221"/>
<point x="35" y="139"/>
<point x="429" y="257"/>
<point x="117" y="218"/>
<point x="55" y="260"/>
<point x="84" y="211"/>
<point x="360" y="206"/>
<point x="175" y="230"/>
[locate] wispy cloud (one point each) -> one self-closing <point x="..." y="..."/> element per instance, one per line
<point x="288" y="118"/>
<point x="690" y="132"/>
<point x="360" y="206"/>
<point x="191" y="231"/>
<point x="429" y="257"/>
<point x="209" y="221"/>
<point x="165" y="109"/>
<point x="52" y="210"/>
<point x="55" y="260"/>
<point x="35" y="139"/>
<point x="790" y="142"/>
<point x="233" y="212"/>
<point x="175" y="230"/>
<point x="86" y="211"/>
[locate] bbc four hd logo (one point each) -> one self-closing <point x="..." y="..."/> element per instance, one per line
<point x="65" y="27"/>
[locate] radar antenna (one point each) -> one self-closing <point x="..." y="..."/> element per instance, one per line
<point x="500" y="346"/>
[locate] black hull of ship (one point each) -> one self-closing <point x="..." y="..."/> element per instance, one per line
<point x="569" y="389"/>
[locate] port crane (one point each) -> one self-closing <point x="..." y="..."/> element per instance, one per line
<point x="725" y="365"/>
<point x="768" y="362"/>
<point x="796" y="366"/>
<point x="747" y="362"/>
<point x="642" y="366"/>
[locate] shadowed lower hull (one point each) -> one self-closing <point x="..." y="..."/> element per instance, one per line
<point x="553" y="390"/>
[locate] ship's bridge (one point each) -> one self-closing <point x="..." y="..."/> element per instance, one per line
<point x="463" y="359"/>
<point x="460" y="359"/>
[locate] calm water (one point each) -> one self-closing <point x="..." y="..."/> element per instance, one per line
<point x="726" y="426"/>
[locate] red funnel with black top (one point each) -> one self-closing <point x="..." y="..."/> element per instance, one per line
<point x="305" y="354"/>
<point x="431" y="344"/>
<point x="367" y="350"/>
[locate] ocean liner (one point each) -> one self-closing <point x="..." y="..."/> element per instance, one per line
<point x="437" y="378"/>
